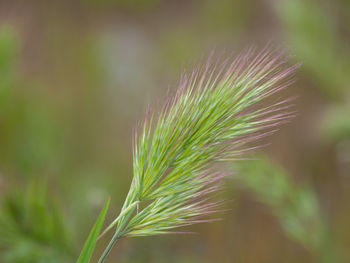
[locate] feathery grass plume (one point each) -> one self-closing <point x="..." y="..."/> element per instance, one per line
<point x="214" y="116"/>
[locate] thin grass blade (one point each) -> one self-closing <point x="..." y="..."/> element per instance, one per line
<point x="90" y="243"/>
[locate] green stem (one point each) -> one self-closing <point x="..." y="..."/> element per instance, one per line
<point x="118" y="233"/>
<point x="109" y="247"/>
<point x="123" y="213"/>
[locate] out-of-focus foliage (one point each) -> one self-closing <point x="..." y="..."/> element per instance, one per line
<point x="138" y="5"/>
<point x="31" y="223"/>
<point x="32" y="228"/>
<point x="313" y="34"/>
<point x="8" y="52"/>
<point x="295" y="205"/>
<point x="28" y="133"/>
<point x="337" y="122"/>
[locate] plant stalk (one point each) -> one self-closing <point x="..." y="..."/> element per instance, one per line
<point x="123" y="213"/>
<point x="118" y="233"/>
<point x="109" y="247"/>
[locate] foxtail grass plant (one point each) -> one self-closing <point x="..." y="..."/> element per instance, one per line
<point x="216" y="115"/>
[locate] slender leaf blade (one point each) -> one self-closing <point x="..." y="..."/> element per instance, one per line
<point x="90" y="243"/>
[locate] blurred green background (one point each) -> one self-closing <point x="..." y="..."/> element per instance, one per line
<point x="76" y="76"/>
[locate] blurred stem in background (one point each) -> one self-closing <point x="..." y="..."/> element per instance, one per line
<point x="312" y="32"/>
<point x="8" y="54"/>
<point x="295" y="206"/>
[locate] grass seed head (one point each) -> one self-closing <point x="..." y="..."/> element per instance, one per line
<point x="215" y="115"/>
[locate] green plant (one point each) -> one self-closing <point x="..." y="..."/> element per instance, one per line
<point x="89" y="246"/>
<point x="32" y="228"/>
<point x="312" y="29"/>
<point x="295" y="205"/>
<point x="215" y="116"/>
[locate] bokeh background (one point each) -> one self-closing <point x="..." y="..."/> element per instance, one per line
<point x="76" y="76"/>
